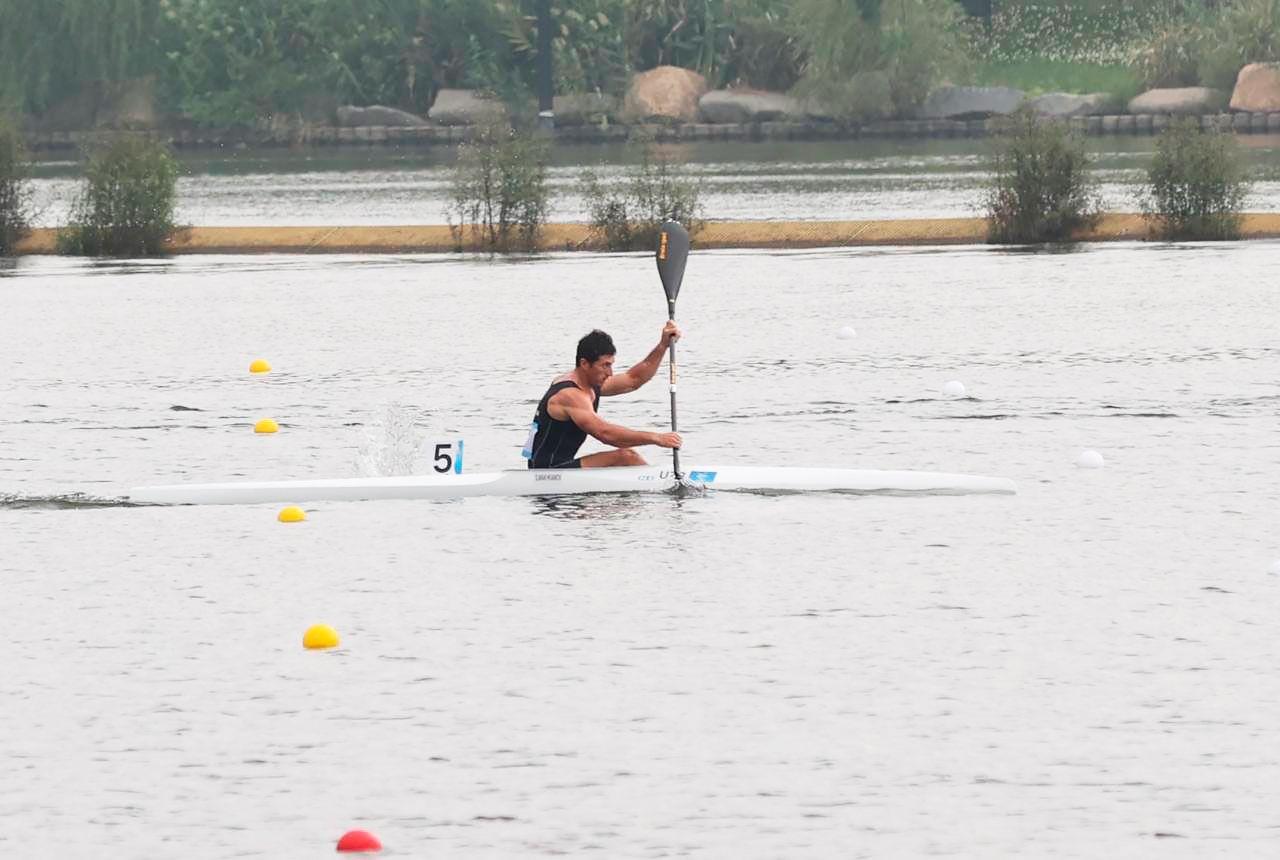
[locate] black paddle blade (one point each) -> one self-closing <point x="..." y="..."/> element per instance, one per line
<point x="673" y="251"/>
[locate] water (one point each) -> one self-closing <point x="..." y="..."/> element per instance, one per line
<point x="1086" y="669"/>
<point x="871" y="179"/>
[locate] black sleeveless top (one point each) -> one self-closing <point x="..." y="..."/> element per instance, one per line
<point x="556" y="443"/>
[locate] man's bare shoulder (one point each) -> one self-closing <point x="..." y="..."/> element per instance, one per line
<point x="569" y="395"/>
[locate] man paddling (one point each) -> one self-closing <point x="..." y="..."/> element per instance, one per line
<point x="567" y="412"/>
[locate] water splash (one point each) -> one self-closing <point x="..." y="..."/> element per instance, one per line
<point x="390" y="443"/>
<point x="60" y="502"/>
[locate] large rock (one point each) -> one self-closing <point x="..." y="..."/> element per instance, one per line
<point x="1188" y="101"/>
<point x="948" y="102"/>
<point x="665" y="93"/>
<point x="1063" y="105"/>
<point x="351" y="116"/>
<point x="584" y="108"/>
<point x="465" y="107"/>
<point x="1257" y="88"/>
<point x="745" y="105"/>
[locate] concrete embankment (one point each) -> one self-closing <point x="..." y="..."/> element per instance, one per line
<point x="577" y="237"/>
<point x="433" y="135"/>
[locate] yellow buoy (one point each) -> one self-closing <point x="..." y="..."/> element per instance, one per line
<point x="320" y="636"/>
<point x="266" y="425"/>
<point x="291" y="514"/>
<point x="259" y="365"/>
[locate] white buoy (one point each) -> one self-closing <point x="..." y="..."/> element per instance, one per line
<point x="1090" y="460"/>
<point x="1275" y="567"/>
<point x="954" y="388"/>
<point x="847" y="333"/>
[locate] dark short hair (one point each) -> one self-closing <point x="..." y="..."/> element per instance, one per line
<point x="594" y="345"/>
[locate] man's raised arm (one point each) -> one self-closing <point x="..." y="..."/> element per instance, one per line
<point x="638" y="374"/>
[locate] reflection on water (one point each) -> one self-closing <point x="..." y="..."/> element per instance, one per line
<point x="594" y="506"/>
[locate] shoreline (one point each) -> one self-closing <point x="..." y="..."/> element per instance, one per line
<point x="428" y="239"/>
<point x="438" y="135"/>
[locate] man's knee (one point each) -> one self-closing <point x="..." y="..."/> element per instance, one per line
<point x="630" y="457"/>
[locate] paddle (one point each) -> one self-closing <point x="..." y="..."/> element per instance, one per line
<point x="673" y="251"/>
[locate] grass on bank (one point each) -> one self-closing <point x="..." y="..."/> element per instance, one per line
<point x="1039" y="76"/>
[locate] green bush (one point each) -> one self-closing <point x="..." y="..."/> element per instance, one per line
<point x="15" y="192"/>
<point x="628" y="215"/>
<point x="126" y="206"/>
<point x="1246" y="31"/>
<point x="871" y="59"/>
<point x="1041" y="190"/>
<point x="500" y="198"/>
<point x="1196" y="185"/>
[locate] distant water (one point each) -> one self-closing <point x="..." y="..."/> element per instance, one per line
<point x="1086" y="669"/>
<point x="785" y="180"/>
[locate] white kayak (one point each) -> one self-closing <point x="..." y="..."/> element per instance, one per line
<point x="563" y="482"/>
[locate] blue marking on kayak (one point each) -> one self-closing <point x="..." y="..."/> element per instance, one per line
<point x="457" y="463"/>
<point x="702" y="477"/>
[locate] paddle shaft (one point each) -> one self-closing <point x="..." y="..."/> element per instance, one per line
<point x="672" y="252"/>
<point x="671" y="363"/>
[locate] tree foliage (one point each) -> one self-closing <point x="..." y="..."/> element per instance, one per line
<point x="1196" y="184"/>
<point x="872" y="59"/>
<point x="1041" y="189"/>
<point x="126" y="207"/>
<point x="500" y="198"/>
<point x="626" y="215"/>
<point x="15" y="190"/>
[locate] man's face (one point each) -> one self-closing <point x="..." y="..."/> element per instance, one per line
<point x="599" y="370"/>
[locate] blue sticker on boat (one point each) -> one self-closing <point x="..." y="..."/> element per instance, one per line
<point x="457" y="461"/>
<point x="702" y="477"/>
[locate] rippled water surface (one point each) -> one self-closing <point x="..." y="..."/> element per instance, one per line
<point x="1086" y="669"/>
<point x="749" y="181"/>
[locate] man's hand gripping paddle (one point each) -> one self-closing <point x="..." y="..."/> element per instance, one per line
<point x="672" y="252"/>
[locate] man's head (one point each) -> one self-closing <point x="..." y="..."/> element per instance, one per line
<point x="595" y="356"/>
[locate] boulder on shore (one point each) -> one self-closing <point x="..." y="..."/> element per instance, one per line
<point x="465" y="107"/>
<point x="747" y="105"/>
<point x="1063" y="105"/>
<point x="949" y="102"/>
<point x="350" y="116"/>
<point x="665" y="93"/>
<point x="1182" y="101"/>
<point x="583" y="108"/>
<point x="1257" y="88"/>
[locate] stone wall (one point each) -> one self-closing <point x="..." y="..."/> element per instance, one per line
<point x="435" y="135"/>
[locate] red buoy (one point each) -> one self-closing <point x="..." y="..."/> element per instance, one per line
<point x="358" y="841"/>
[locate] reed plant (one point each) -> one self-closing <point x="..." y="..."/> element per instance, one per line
<point x="126" y="205"/>
<point x="1041" y="188"/>
<point x="1196" y="185"/>
<point x="500" y="200"/>
<point x="15" y="189"/>
<point x="627" y="215"/>
<point x="1245" y="31"/>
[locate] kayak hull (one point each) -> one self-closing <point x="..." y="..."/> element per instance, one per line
<point x="559" y="482"/>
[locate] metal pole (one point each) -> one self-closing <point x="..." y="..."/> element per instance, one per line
<point x="546" y="104"/>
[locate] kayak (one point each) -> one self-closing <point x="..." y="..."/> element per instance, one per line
<point x="563" y="482"/>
